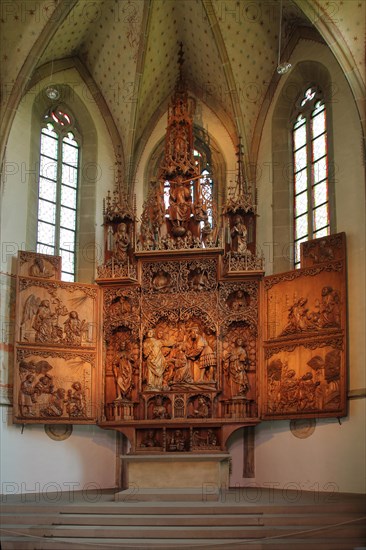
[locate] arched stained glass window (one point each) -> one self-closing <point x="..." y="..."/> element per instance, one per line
<point x="310" y="160"/>
<point x="58" y="189"/>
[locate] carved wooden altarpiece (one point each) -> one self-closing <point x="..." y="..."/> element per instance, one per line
<point x="195" y="341"/>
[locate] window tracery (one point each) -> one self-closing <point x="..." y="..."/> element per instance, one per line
<point x="310" y="160"/>
<point x="58" y="188"/>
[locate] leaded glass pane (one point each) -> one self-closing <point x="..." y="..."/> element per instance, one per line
<point x="300" y="159"/>
<point x="301" y="227"/>
<point x="319" y="147"/>
<point x="299" y="121"/>
<point x="301" y="204"/>
<point x="44" y="249"/>
<point x="321" y="233"/>
<point x="318" y="124"/>
<point x="301" y="181"/>
<point x="319" y="107"/>
<point x="68" y="218"/>
<point x="47" y="190"/>
<point x="47" y="211"/>
<point x="68" y="277"/>
<point x="49" y="131"/>
<point x="297" y="252"/>
<point x="49" y="146"/>
<point x="69" y="175"/>
<point x="320" y="193"/>
<point x="300" y="137"/>
<point x="320" y="170"/>
<point x="68" y="196"/>
<point x="70" y="154"/>
<point x="320" y="217"/>
<point x="70" y="140"/>
<point x="68" y="260"/>
<point x="46" y="233"/>
<point x="48" y="168"/>
<point x="297" y="249"/>
<point x="67" y="239"/>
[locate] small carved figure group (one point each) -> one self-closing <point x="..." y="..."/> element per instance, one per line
<point x="326" y="313"/>
<point x="177" y="441"/>
<point x="205" y="439"/>
<point x="150" y="440"/>
<point x="289" y="392"/>
<point x="36" y="384"/>
<point x="45" y="322"/>
<point x="169" y="361"/>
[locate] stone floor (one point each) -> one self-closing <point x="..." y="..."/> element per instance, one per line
<point x="241" y="518"/>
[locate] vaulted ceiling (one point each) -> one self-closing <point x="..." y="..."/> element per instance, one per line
<point x="128" y="49"/>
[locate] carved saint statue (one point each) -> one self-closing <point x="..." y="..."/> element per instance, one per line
<point x="236" y="366"/>
<point x="45" y="322"/>
<point x="73" y="329"/>
<point x="201" y="357"/>
<point x="180" y="200"/>
<point x="122" y="370"/>
<point x="239" y="237"/>
<point x="156" y="363"/>
<point x="121" y="242"/>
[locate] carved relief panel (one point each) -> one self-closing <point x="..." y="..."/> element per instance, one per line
<point x="305" y="348"/>
<point x="54" y="386"/>
<point x="56" y="341"/>
<point x="42" y="266"/>
<point x="56" y="313"/>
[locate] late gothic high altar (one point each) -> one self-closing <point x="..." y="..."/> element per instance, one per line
<point x="195" y="341"/>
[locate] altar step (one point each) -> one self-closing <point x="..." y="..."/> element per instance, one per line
<point x="221" y="526"/>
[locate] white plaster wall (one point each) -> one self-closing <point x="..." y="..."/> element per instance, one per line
<point x="31" y="462"/>
<point x="334" y="457"/>
<point x="331" y="460"/>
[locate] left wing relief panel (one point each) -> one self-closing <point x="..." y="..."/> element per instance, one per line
<point x="56" y="358"/>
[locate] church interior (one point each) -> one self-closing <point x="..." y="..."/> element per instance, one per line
<point x="182" y="246"/>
